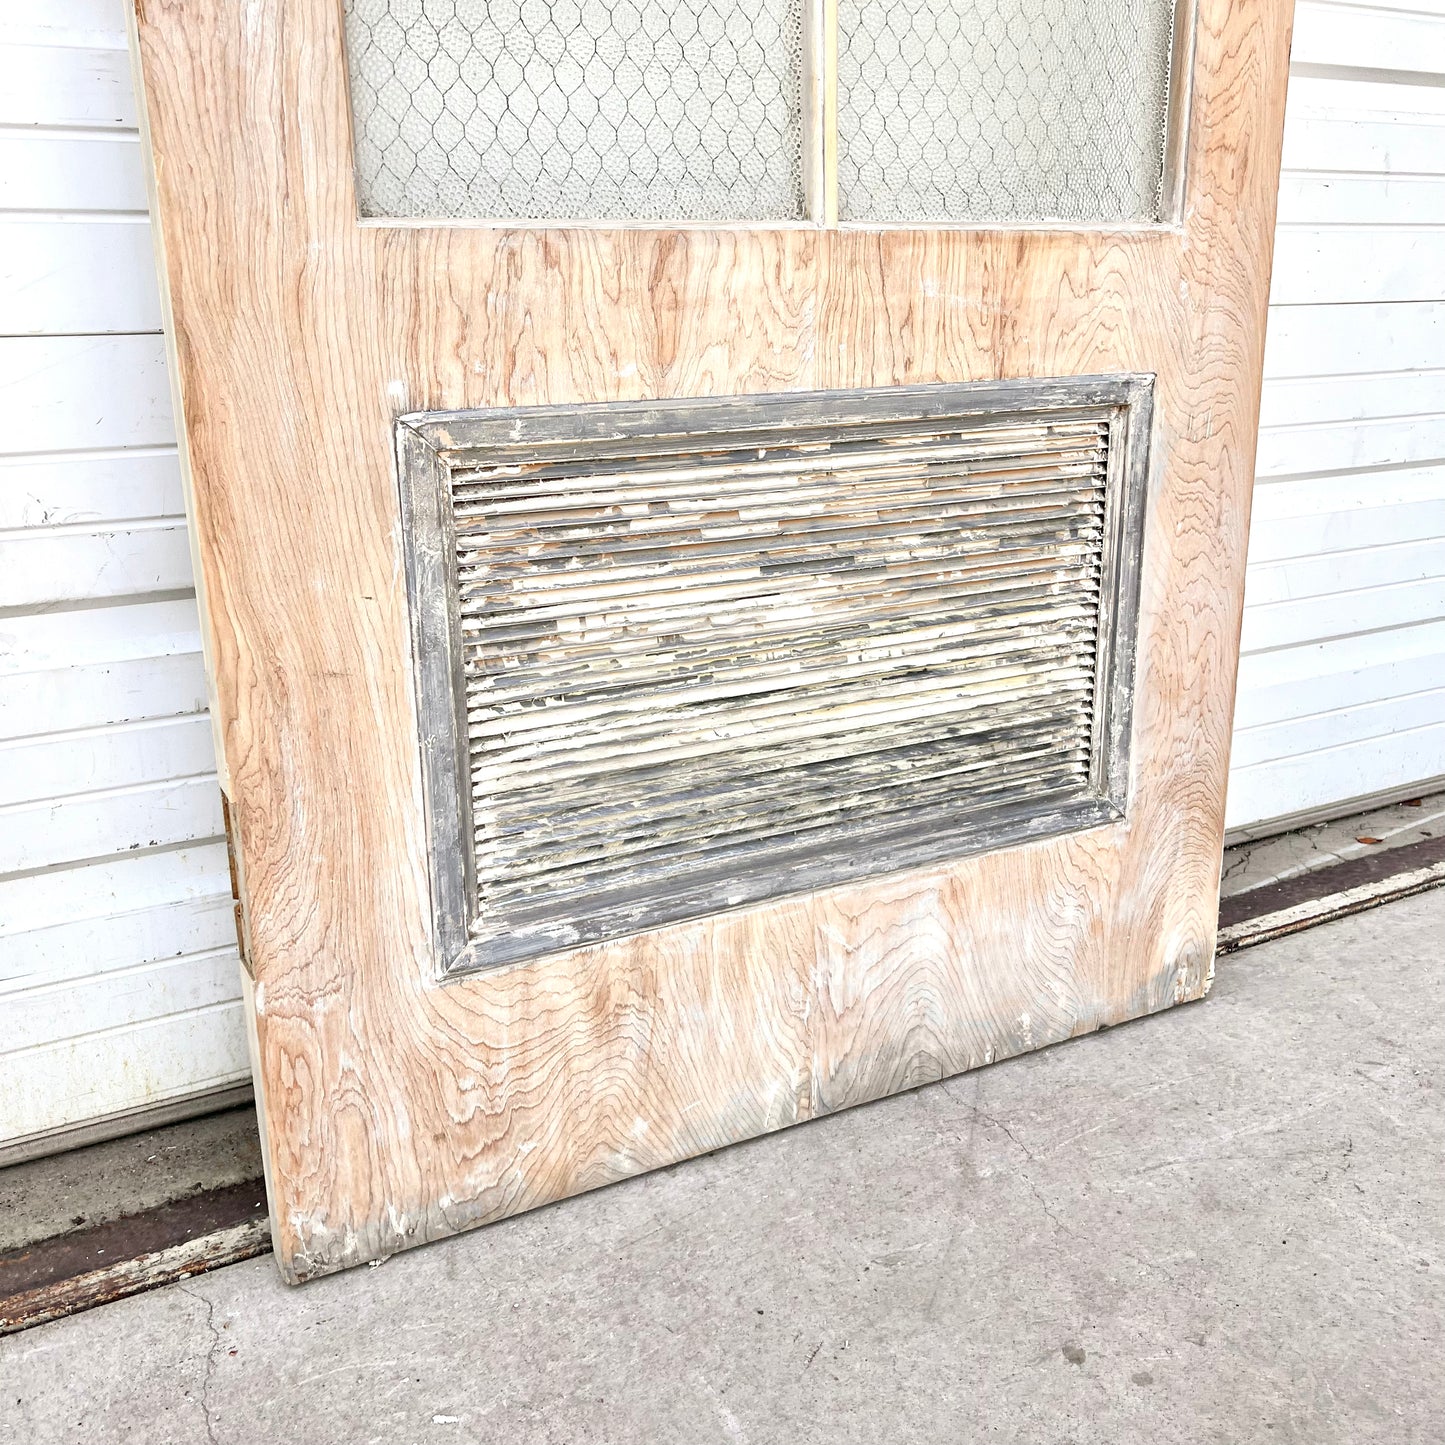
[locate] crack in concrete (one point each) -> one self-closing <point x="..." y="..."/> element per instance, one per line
<point x="1047" y="1208"/>
<point x="216" y="1343"/>
<point x="1012" y="1137"/>
<point x="1241" y="860"/>
<point x="990" y="1121"/>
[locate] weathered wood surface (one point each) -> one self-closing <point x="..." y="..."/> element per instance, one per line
<point x="399" y="1109"/>
<point x="674" y="659"/>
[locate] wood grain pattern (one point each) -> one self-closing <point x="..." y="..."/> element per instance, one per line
<point x="398" y="1108"/>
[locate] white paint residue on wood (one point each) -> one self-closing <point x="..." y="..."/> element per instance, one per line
<point x="708" y="658"/>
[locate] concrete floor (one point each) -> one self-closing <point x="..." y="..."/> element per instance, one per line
<point x="1224" y="1223"/>
<point x="100" y="1182"/>
<point x="1257" y="862"/>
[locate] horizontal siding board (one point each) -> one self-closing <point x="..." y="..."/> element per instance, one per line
<point x="56" y="765"/>
<point x="1327" y="340"/>
<point x="1410" y="7"/>
<point x="1314" y="618"/>
<point x="95" y="825"/>
<point x="78" y="948"/>
<point x="87" y="667"/>
<point x="1307" y="199"/>
<point x="82" y="275"/>
<point x="95" y="694"/>
<point x="124" y="885"/>
<point x="1351" y="446"/>
<point x="66" y="85"/>
<point x="1325" y="399"/>
<point x="95" y="1076"/>
<point x="1347" y="265"/>
<point x="84" y="393"/>
<point x="1317" y="533"/>
<point x="1295" y="667"/>
<point x="1363" y="128"/>
<point x="1327" y="94"/>
<point x="1366" y="144"/>
<point x="1284" y="786"/>
<point x="76" y="487"/>
<point x="1347" y="492"/>
<point x="1367" y="37"/>
<point x="1354" y="571"/>
<point x="80" y="171"/>
<point x="45" y="568"/>
<point x="50" y="1013"/>
<point x="39" y="640"/>
<point x="1359" y="722"/>
<point x="73" y="22"/>
<point x="1342" y="672"/>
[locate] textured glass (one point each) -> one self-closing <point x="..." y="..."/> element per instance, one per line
<point x="1002" y="110"/>
<point x="577" y="109"/>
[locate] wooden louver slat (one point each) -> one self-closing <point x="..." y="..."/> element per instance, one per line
<point x="696" y="668"/>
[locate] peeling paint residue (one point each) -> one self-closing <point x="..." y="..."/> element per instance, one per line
<point x="699" y="667"/>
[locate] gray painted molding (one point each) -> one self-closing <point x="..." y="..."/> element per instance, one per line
<point x="434" y="449"/>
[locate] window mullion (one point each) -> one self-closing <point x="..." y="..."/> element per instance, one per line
<point x="820" y="110"/>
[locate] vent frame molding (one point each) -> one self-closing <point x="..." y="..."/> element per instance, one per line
<point x="432" y="447"/>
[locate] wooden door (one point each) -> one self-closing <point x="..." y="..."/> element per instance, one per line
<point x="721" y="529"/>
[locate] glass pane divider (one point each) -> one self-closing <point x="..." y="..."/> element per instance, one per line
<point x="820" y="107"/>
<point x="830" y="111"/>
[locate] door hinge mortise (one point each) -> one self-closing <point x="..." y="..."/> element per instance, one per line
<point x="238" y="905"/>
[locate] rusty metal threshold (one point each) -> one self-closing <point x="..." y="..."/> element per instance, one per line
<point x="71" y="1272"/>
<point x="122" y="1215"/>
<point x="1324" y="894"/>
<point x="79" y="1268"/>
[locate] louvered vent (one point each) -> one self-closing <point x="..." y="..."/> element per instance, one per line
<point x="682" y="657"/>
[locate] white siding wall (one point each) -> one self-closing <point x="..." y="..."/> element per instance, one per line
<point x="1342" y="682"/>
<point x="118" y="982"/>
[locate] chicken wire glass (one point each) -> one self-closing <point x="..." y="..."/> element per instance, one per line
<point x="1002" y="110"/>
<point x="577" y="109"/>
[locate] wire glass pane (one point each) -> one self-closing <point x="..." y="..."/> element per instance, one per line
<point x="1002" y="110"/>
<point x="577" y="109"/>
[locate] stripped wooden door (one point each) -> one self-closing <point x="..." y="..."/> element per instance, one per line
<point x="722" y="529"/>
